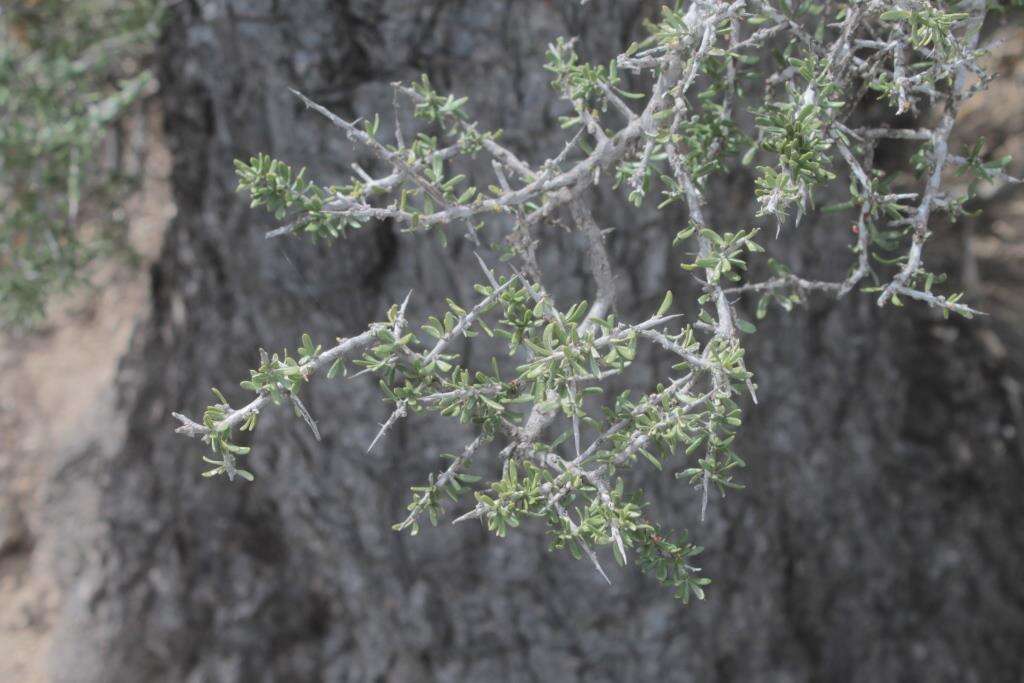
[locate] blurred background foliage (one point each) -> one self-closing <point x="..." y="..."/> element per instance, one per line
<point x="72" y="74"/>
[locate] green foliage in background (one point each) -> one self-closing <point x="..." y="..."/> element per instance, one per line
<point x="70" y="70"/>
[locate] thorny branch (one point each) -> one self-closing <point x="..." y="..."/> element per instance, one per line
<point x="674" y="137"/>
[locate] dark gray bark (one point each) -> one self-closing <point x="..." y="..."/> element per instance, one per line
<point x="877" y="540"/>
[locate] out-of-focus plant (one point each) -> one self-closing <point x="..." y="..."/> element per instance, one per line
<point x="558" y="455"/>
<point x="69" y="72"/>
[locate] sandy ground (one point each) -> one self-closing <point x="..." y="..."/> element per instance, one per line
<point x="57" y="385"/>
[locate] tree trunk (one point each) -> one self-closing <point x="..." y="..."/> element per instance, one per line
<point x="877" y="539"/>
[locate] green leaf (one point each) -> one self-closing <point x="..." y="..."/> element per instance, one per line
<point x="654" y="461"/>
<point x="894" y="15"/>
<point x="745" y="326"/>
<point x="666" y="303"/>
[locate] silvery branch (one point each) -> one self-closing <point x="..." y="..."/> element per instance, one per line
<point x="551" y="442"/>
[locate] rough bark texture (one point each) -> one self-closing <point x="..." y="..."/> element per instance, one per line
<point x="878" y="538"/>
